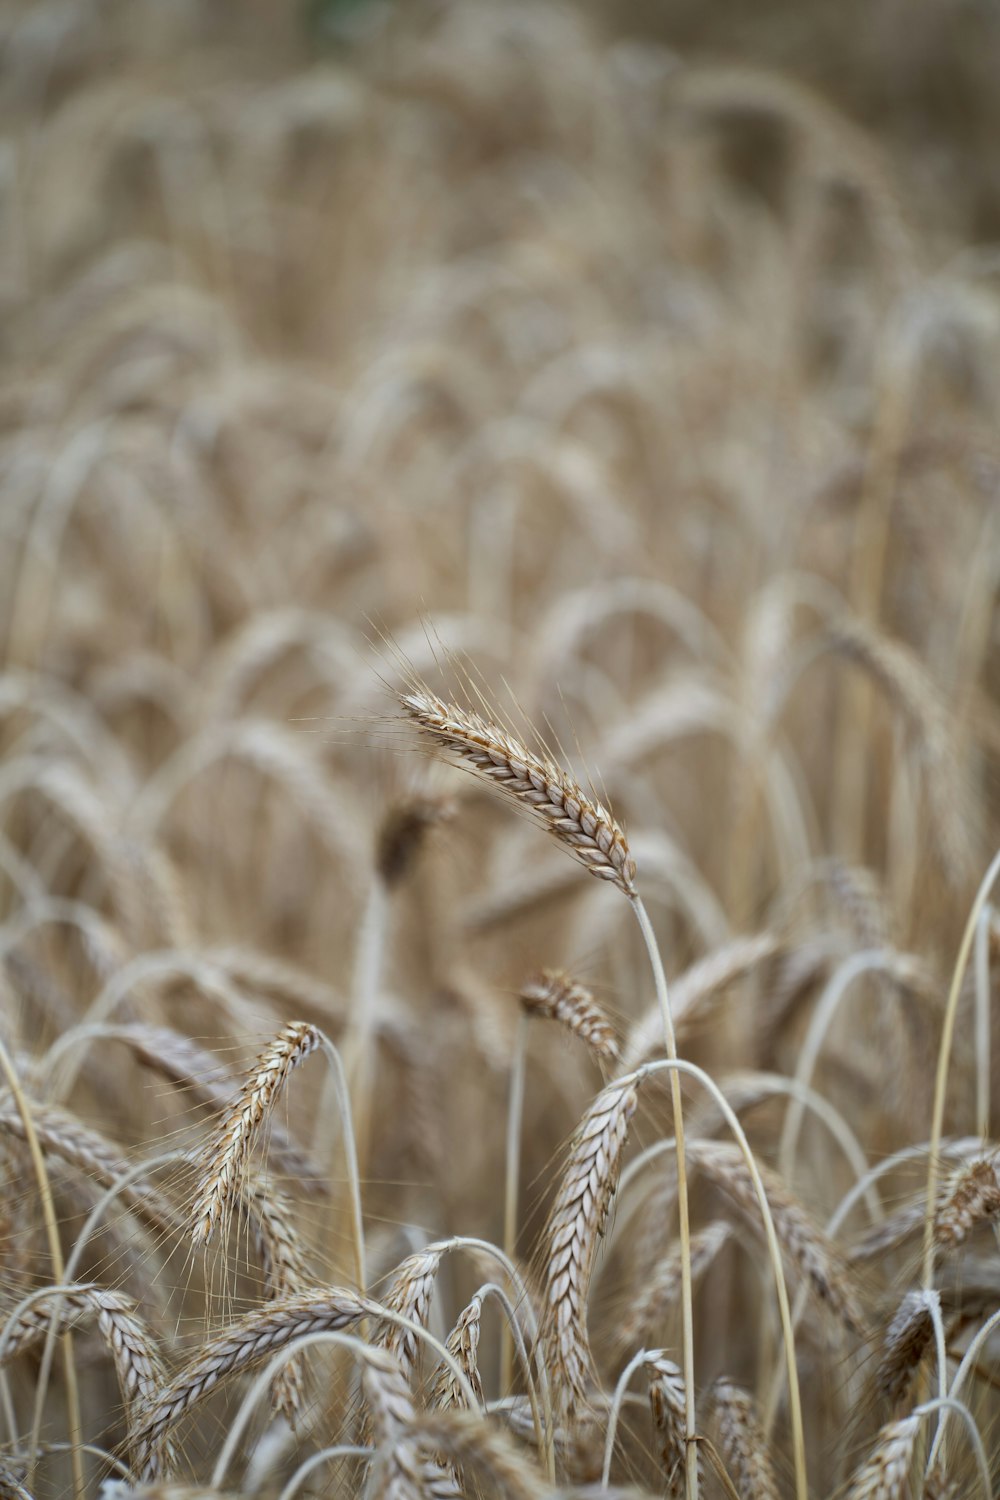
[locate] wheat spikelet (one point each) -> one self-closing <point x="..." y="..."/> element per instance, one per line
<point x="661" y="1290"/>
<point x="742" y="1443"/>
<point x="570" y="1242"/>
<point x="562" y="806"/>
<point x="802" y="1241"/>
<point x="666" y="1400"/>
<point x="906" y="1342"/>
<point x="226" y="1158"/>
<point x="558" y="997"/>
<point x="970" y="1198"/>
<point x="884" y="1476"/>
<point x="247" y="1342"/>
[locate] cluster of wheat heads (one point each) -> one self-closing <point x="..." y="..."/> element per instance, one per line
<point x="409" y="1086"/>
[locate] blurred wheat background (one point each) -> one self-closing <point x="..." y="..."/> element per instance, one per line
<point x="627" y="376"/>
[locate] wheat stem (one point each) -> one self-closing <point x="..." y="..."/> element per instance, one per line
<point x="324" y="1456"/>
<point x="684" y="1225"/>
<point x="515" y="1110"/>
<point x="774" y="1249"/>
<point x="59" y="1274"/>
<point x="621" y="1387"/>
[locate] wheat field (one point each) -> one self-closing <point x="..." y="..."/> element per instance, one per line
<point x="500" y="714"/>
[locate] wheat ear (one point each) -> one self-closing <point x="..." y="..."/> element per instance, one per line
<point x="667" y="1403"/>
<point x="560" y="804"/>
<point x="226" y="1158"/>
<point x="283" y="1266"/>
<point x="556" y="996"/>
<point x="970" y="1198"/>
<point x="884" y="1475"/>
<point x="803" y="1242"/>
<point x="907" y="1340"/>
<point x="660" y="1292"/>
<point x="575" y="1224"/>
<point x="137" y="1361"/>
<point x="742" y="1442"/>
<point x="463" y="1343"/>
<point x="248" y="1340"/>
